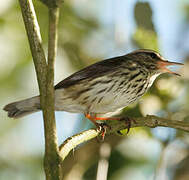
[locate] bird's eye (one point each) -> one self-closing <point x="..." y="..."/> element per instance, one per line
<point x="153" y="55"/>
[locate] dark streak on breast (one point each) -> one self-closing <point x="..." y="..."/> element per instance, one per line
<point x="93" y="100"/>
<point x="143" y="72"/>
<point x="124" y="74"/>
<point x="126" y="82"/>
<point x="85" y="98"/>
<point x="138" y="80"/>
<point x="131" y="68"/>
<point x="129" y="86"/>
<point x="121" y="83"/>
<point x="79" y="93"/>
<point x="102" y="90"/>
<point x="134" y="76"/>
<point x="100" y="99"/>
<point x="140" y="88"/>
<point x="111" y="87"/>
<point x="101" y="82"/>
<point x="147" y="86"/>
<point x="128" y="91"/>
<point x="134" y="85"/>
<point x="83" y="102"/>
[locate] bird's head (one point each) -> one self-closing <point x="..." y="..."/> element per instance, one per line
<point x="153" y="61"/>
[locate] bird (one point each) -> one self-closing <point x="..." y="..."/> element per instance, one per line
<point x="103" y="87"/>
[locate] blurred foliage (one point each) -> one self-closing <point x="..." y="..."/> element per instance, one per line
<point x="146" y="39"/>
<point x="145" y="36"/>
<point x="72" y="35"/>
<point x="143" y="153"/>
<point x="143" y="16"/>
<point x="186" y="9"/>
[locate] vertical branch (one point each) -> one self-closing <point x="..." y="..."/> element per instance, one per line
<point x="45" y="77"/>
<point x="52" y="160"/>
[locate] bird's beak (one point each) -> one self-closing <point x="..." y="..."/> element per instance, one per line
<point x="162" y="65"/>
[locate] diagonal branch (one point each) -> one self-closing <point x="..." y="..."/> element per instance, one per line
<point x="148" y="121"/>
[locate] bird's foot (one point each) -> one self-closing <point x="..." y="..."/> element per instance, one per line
<point x="128" y="122"/>
<point x="102" y="127"/>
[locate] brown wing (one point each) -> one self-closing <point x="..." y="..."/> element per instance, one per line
<point x="93" y="71"/>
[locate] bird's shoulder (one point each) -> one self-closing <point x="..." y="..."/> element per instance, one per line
<point x="93" y="71"/>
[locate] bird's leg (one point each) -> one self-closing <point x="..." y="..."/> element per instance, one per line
<point x="94" y="118"/>
<point x="101" y="126"/>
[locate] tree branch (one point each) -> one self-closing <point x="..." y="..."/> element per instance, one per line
<point x="75" y="140"/>
<point x="148" y="121"/>
<point x="52" y="159"/>
<point x="35" y="42"/>
<point x="45" y="77"/>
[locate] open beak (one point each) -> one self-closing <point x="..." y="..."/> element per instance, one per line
<point x="162" y="65"/>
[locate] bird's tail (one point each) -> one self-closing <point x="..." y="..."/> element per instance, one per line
<point x="22" y="108"/>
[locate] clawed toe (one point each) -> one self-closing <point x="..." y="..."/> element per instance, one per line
<point x="102" y="127"/>
<point x="128" y="121"/>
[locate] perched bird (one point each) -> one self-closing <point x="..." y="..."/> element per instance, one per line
<point x="102" y="87"/>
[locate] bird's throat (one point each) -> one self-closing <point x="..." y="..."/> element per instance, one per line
<point x="152" y="79"/>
